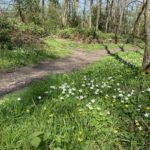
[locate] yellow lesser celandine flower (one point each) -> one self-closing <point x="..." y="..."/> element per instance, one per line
<point x="115" y="131"/>
<point x="80" y="139"/>
<point x="51" y="115"/>
<point x="126" y="106"/>
<point x="114" y="101"/>
<point x="107" y="96"/>
<point x="65" y="75"/>
<point x="81" y="110"/>
<point x="112" y="104"/>
<point x="148" y="108"/>
<point x="27" y="110"/>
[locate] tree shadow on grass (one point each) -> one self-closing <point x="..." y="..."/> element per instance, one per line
<point x="139" y="52"/>
<point x="121" y="47"/>
<point x="120" y="59"/>
<point x="141" y="47"/>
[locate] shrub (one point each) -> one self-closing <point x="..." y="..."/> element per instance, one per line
<point x="85" y="34"/>
<point x="29" y="28"/>
<point x="5" y="39"/>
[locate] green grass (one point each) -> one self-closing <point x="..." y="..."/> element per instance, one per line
<point x="105" y="106"/>
<point x="30" y="55"/>
<point x="85" y="33"/>
<point x="89" y="47"/>
<point x="54" y="48"/>
<point x="92" y="47"/>
<point x="60" y="47"/>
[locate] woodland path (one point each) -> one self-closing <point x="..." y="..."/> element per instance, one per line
<point x="21" y="77"/>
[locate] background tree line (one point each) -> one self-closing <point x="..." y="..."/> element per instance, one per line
<point x="120" y="16"/>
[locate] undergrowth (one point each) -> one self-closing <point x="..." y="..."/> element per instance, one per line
<point x="26" y="55"/>
<point x="92" y="36"/>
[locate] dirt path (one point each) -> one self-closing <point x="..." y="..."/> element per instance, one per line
<point x="21" y="77"/>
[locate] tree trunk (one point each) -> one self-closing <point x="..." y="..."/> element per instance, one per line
<point x="146" y="60"/>
<point x="91" y="13"/>
<point x="43" y="12"/>
<point x="137" y="19"/>
<point x="108" y="15"/>
<point x="123" y="11"/>
<point x="84" y="14"/>
<point x="111" y="16"/>
<point x="65" y="13"/>
<point x="116" y="15"/>
<point x="98" y="13"/>
<point x="76" y="8"/>
<point x="116" y="19"/>
<point x="18" y="3"/>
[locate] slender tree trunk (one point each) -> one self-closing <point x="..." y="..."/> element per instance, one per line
<point x="146" y="60"/>
<point x="111" y="16"/>
<point x="137" y="19"/>
<point x="116" y="15"/>
<point x="43" y="12"/>
<point x="76" y="8"/>
<point x="65" y="13"/>
<point x="98" y="13"/>
<point x="91" y="13"/>
<point x="84" y="14"/>
<point x="116" y="19"/>
<point x="123" y="11"/>
<point x="108" y="16"/>
<point x="18" y="3"/>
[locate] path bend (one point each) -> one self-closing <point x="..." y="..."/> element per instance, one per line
<point x="21" y="77"/>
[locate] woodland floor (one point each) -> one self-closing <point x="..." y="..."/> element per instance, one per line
<point x="16" y="79"/>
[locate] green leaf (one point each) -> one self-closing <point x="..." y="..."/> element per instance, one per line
<point x="36" y="134"/>
<point x="35" y="142"/>
<point x="58" y="148"/>
<point x="46" y="136"/>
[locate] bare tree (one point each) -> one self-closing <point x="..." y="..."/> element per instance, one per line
<point x="98" y="13"/>
<point x="116" y="15"/>
<point x="91" y="13"/>
<point x="65" y="13"/>
<point x="138" y="17"/>
<point x="111" y="16"/>
<point x="108" y="13"/>
<point x="76" y="3"/>
<point x="116" y="19"/>
<point x="146" y="60"/>
<point x="19" y="9"/>
<point x="123" y="11"/>
<point x="43" y="12"/>
<point x="84" y="14"/>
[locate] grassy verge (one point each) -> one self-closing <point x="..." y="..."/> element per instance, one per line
<point x="106" y="106"/>
<point x="89" y="47"/>
<point x="92" y="47"/>
<point x="53" y="48"/>
<point x="30" y="55"/>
